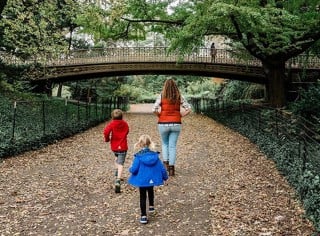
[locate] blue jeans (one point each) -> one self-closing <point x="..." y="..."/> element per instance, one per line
<point x="169" y="138"/>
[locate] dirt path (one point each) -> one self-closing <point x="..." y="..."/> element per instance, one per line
<point x="223" y="186"/>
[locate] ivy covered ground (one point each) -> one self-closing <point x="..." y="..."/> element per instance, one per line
<point x="223" y="186"/>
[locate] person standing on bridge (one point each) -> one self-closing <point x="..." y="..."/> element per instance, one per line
<point x="116" y="132"/>
<point x="213" y="52"/>
<point x="147" y="171"/>
<point x="167" y="108"/>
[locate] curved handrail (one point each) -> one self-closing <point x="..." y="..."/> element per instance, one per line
<point x="153" y="54"/>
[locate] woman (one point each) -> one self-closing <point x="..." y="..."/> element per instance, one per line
<point x="167" y="108"/>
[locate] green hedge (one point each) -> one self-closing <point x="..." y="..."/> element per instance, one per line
<point x="29" y="125"/>
<point x="283" y="138"/>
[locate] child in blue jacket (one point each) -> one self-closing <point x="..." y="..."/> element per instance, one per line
<point x="146" y="171"/>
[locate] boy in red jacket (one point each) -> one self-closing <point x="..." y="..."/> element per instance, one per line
<point x="116" y="132"/>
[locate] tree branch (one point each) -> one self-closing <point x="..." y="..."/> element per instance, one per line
<point x="178" y="22"/>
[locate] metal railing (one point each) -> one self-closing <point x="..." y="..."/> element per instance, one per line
<point x="153" y="54"/>
<point x="292" y="142"/>
<point x="35" y="123"/>
<point x="300" y="136"/>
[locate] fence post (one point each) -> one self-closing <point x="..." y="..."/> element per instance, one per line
<point x="78" y="111"/>
<point x="277" y="128"/>
<point x="43" y="117"/>
<point x="103" y="111"/>
<point x="90" y="98"/>
<point x="14" y="119"/>
<point x="87" y="111"/>
<point x="304" y="156"/>
<point x="111" y="105"/>
<point x="96" y="109"/>
<point x="114" y="103"/>
<point x="259" y="119"/>
<point x="66" y="112"/>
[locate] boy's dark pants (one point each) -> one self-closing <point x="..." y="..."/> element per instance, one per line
<point x="143" y="199"/>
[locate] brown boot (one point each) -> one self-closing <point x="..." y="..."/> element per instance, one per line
<point x="166" y="165"/>
<point x="171" y="170"/>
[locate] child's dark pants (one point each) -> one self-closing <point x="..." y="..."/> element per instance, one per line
<point x="143" y="199"/>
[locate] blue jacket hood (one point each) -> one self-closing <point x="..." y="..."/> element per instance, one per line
<point x="147" y="157"/>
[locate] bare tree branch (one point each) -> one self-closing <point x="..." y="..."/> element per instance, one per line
<point x="178" y="23"/>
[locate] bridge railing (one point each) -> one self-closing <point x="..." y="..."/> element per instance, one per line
<point x="148" y="54"/>
<point x="153" y="54"/>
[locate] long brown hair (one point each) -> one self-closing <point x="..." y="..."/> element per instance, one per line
<point x="171" y="91"/>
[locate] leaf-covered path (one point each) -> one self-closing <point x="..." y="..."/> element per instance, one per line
<point x="223" y="186"/>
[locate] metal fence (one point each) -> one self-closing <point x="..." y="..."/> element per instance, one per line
<point x="36" y="123"/>
<point x="298" y="138"/>
<point x="292" y="142"/>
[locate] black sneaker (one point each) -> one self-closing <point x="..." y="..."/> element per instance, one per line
<point x="117" y="186"/>
<point x="143" y="220"/>
<point x="152" y="210"/>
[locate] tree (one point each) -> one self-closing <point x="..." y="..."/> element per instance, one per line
<point x="36" y="29"/>
<point x="28" y="29"/>
<point x="3" y="3"/>
<point x="271" y="30"/>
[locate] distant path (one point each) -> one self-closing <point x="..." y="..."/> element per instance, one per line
<point x="141" y="108"/>
<point x="224" y="186"/>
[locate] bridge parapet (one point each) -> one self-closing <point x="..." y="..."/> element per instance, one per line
<point x="153" y="54"/>
<point x="148" y="54"/>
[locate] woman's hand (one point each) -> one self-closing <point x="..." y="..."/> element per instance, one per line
<point x="184" y="112"/>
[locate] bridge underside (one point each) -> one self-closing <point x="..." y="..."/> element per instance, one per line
<point x="62" y="73"/>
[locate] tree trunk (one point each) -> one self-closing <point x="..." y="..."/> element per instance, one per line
<point x="276" y="83"/>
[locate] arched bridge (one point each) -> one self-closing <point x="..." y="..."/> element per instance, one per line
<point x="93" y="63"/>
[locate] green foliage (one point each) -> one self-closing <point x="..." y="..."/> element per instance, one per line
<point x="146" y="88"/>
<point x="116" y="21"/>
<point x="137" y="94"/>
<point x="309" y="103"/>
<point x="265" y="31"/>
<point x="96" y="88"/>
<point x="238" y="90"/>
<point x="30" y="29"/>
<point x="272" y="31"/>
<point x="205" y="88"/>
<point x="33" y="30"/>
<point x="279" y="138"/>
<point x="16" y="89"/>
<point x="32" y="124"/>
<point x="151" y="83"/>
<point x="315" y="49"/>
<point x="309" y="188"/>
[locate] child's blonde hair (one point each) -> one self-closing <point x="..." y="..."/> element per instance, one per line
<point x="144" y="141"/>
